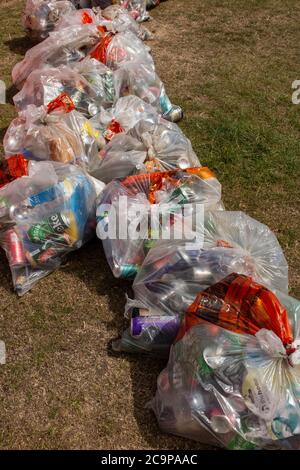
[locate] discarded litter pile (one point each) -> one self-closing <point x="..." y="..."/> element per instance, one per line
<point x="95" y="149"/>
<point x="233" y="375"/>
<point x="164" y="192"/>
<point x="173" y="274"/>
<point x="43" y="16"/>
<point x="47" y="225"/>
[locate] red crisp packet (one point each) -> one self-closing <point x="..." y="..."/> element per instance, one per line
<point x="239" y="304"/>
<point x="86" y="18"/>
<point x="113" y="129"/>
<point x="100" y="51"/>
<point x="13" y="168"/>
<point x="63" y="101"/>
<point x="17" y="166"/>
<point x="158" y="181"/>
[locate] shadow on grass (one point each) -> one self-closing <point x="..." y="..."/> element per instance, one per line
<point x="20" y="45"/>
<point x="5" y="274"/>
<point x="10" y="93"/>
<point x="2" y="133"/>
<point x="95" y="271"/>
<point x="90" y="265"/>
<point x="144" y="371"/>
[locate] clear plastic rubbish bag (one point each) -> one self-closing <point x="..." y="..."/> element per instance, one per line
<point x="174" y="272"/>
<point x="43" y="86"/>
<point x="114" y="18"/>
<point x="137" y="9"/>
<point x="61" y="47"/>
<point x="122" y="21"/>
<point x="100" y="78"/>
<point x="54" y="132"/>
<point x="167" y="146"/>
<point x="113" y="49"/>
<point x="153" y="205"/>
<point x="122" y="156"/>
<point x="123" y="116"/>
<point x="147" y="148"/>
<point x="40" y="16"/>
<point x="233" y="376"/>
<point x="20" y="179"/>
<point x="46" y="226"/>
<point x="152" y="3"/>
<point x="11" y="192"/>
<point x="140" y="79"/>
<point x="77" y="18"/>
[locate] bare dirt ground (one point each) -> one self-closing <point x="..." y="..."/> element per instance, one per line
<point x="230" y="64"/>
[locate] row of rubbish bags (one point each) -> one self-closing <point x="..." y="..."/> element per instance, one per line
<point x="95" y="127"/>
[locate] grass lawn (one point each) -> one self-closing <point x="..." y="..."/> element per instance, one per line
<point x="231" y="65"/>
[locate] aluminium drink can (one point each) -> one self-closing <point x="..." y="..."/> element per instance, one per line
<point x="164" y="324"/>
<point x="56" y="224"/>
<point x="126" y="271"/>
<point x="42" y="255"/>
<point x="15" y="251"/>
